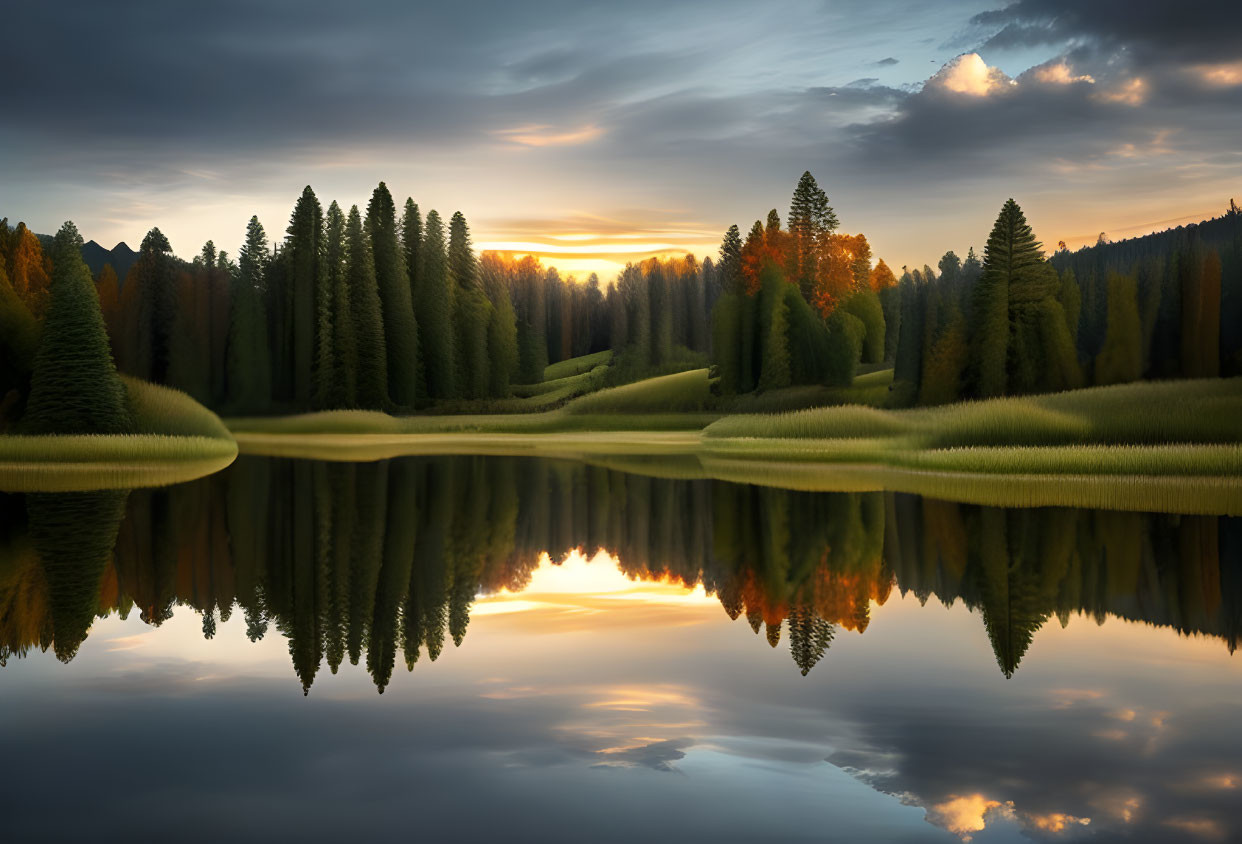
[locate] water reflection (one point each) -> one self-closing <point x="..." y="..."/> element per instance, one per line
<point x="581" y="690"/>
<point x="383" y="561"/>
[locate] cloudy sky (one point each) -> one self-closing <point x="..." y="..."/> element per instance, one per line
<point x="595" y="132"/>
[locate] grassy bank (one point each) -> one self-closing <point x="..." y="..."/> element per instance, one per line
<point x="1168" y="446"/>
<point x="175" y="439"/>
<point x="1206" y="411"/>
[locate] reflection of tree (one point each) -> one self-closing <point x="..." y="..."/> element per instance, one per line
<point x="74" y="534"/>
<point x="1008" y="589"/>
<point x="371" y="559"/>
<point x="809" y="637"/>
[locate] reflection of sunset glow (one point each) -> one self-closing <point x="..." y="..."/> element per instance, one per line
<point x="1202" y="827"/>
<point x="547" y="136"/>
<point x="643" y="699"/>
<point x="1055" y="822"/>
<point x="559" y="585"/>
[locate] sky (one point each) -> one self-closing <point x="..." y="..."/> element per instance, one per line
<point x="592" y="134"/>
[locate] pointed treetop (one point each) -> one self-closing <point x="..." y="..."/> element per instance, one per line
<point x="153" y="242"/>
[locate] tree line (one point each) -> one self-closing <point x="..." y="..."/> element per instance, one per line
<point x="1166" y="305"/>
<point x="379" y="563"/>
<point x="395" y="311"/>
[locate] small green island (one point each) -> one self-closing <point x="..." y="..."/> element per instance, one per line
<point x="1106" y="377"/>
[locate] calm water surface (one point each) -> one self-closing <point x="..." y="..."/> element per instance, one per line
<point x="524" y="650"/>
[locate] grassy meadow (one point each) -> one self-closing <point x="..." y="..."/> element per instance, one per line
<point x="1131" y="446"/>
<point x="175" y="439"/>
<point x="1173" y="446"/>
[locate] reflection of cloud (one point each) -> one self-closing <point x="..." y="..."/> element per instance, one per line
<point x="548" y="136"/>
<point x="1056" y="822"/>
<point x="1201" y="827"/>
<point x="658" y="755"/>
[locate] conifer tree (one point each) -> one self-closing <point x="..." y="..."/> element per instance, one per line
<point x="400" y="327"/>
<point x="74" y="387"/>
<point x="811" y="222"/>
<point x="501" y="328"/>
<point x="434" y="304"/>
<point x="412" y="244"/>
<point x="154" y="307"/>
<point x="305" y="298"/>
<point x="249" y="355"/>
<point x="731" y="261"/>
<point x="472" y="311"/>
<point x="1013" y="270"/>
<point x="364" y="302"/>
<point x="338" y="356"/>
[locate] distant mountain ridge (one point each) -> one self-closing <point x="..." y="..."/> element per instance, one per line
<point x="121" y="257"/>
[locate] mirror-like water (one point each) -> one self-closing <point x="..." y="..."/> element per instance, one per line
<point x="596" y="655"/>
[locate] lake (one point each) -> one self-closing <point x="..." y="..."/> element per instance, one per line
<point x="525" y="649"/>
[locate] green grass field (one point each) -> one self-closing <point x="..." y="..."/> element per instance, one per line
<point x="175" y="439"/>
<point x="1169" y="446"/>
<point x="683" y="392"/>
<point x="576" y="366"/>
<point x="1154" y="413"/>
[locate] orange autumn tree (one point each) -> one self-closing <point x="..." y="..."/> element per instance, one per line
<point x="882" y="277"/>
<point x="844" y="269"/>
<point x="802" y="310"/>
<point x="29" y="270"/>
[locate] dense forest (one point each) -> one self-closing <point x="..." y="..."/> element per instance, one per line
<point x="392" y="309"/>
<point x="399" y="549"/>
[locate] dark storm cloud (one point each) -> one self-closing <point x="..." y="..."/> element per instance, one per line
<point x="1193" y="31"/>
<point x="1036" y="121"/>
<point x="249" y="75"/>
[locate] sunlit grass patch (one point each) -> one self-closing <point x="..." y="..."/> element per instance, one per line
<point x="576" y="366"/>
<point x="682" y="391"/>
<point x="1204" y="411"/>
<point x="163" y="410"/>
<point x="175" y="439"/>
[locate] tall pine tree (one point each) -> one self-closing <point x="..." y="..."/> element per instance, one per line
<point x="472" y="311"/>
<point x="434" y="303"/>
<point x="249" y="354"/>
<point x="74" y="388"/>
<point x="400" y="327"/>
<point x="364" y="302"/>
